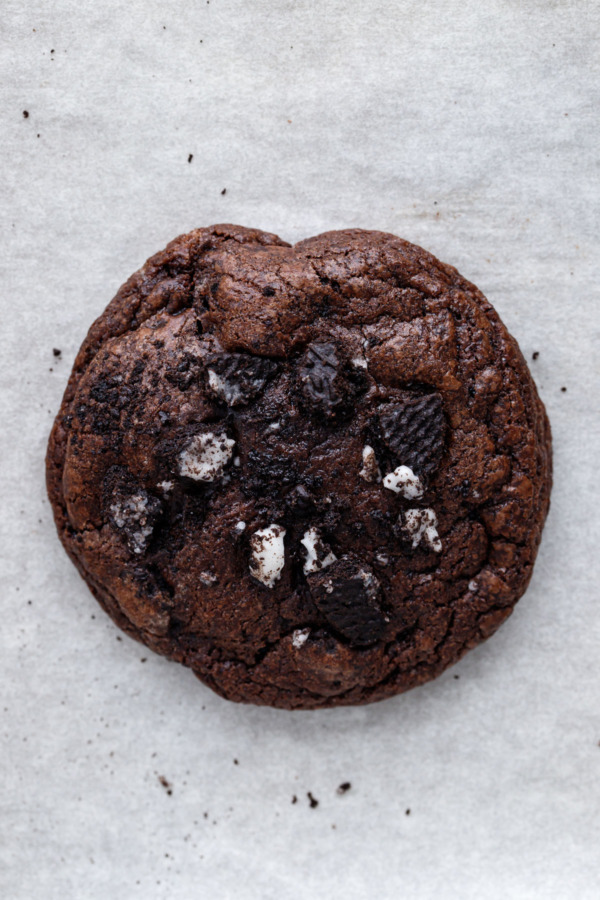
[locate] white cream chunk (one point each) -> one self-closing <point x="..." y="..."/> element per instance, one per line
<point x="166" y="486"/>
<point x="316" y="558"/>
<point x="421" y="525"/>
<point x="225" y="390"/>
<point x="132" y="514"/>
<point x="404" y="481"/>
<point x="370" y="469"/>
<point x="360" y="362"/>
<point x="206" y="456"/>
<point x="300" y="637"/>
<point x="240" y="526"/>
<point x="207" y="578"/>
<point x="268" y="554"/>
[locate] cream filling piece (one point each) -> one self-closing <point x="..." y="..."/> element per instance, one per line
<point x="421" y="525"/>
<point x="313" y="544"/>
<point x="268" y="554"/>
<point x="404" y="481"/>
<point x="206" y="456"/>
<point x="370" y="469"/>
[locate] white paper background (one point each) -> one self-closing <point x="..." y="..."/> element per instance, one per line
<point x="467" y="127"/>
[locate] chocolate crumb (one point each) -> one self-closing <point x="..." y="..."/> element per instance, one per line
<point x="224" y="191"/>
<point x="294" y="799"/>
<point x="56" y="351"/>
<point x="25" y="114"/>
<point x="408" y="812"/>
<point x="235" y="762"/>
<point x="312" y="801"/>
<point x="166" y="784"/>
<point x="535" y="355"/>
<point x="564" y="390"/>
<point x="190" y="157"/>
<point x="345" y="786"/>
<point x="143" y="659"/>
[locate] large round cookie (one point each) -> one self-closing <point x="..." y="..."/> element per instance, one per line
<point x="317" y="475"/>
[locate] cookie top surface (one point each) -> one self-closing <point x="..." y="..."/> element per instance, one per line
<point x="316" y="475"/>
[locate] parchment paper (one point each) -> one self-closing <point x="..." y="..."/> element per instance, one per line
<point x="469" y="128"/>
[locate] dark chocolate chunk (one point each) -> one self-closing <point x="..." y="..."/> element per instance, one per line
<point x="237" y="378"/>
<point x="346" y="592"/>
<point x="414" y="430"/>
<point x="299" y="502"/>
<point x="328" y="384"/>
<point x="267" y="474"/>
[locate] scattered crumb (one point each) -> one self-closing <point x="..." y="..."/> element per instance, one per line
<point x="25" y="114"/>
<point x="235" y="762"/>
<point x="345" y="786"/>
<point x="457" y="677"/>
<point x="224" y="191"/>
<point x="294" y="799"/>
<point x="143" y="659"/>
<point x="312" y="801"/>
<point x="564" y="390"/>
<point x="408" y="812"/>
<point x="190" y="157"/>
<point x="56" y="351"/>
<point x="166" y="784"/>
<point x="535" y="355"/>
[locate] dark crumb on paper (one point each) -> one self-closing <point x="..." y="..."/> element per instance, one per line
<point x="143" y="659"/>
<point x="294" y="799"/>
<point x="56" y="351"/>
<point x="52" y="51"/>
<point x="312" y="801"/>
<point x="25" y="114"/>
<point x="457" y="677"/>
<point x="224" y="191"/>
<point x="190" y="157"/>
<point x="166" y="784"/>
<point x="235" y="762"/>
<point x="564" y="390"/>
<point x="536" y="355"/>
<point x="345" y="786"/>
<point x="407" y="812"/>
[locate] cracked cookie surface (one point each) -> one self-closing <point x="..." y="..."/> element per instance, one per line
<point x="317" y="475"/>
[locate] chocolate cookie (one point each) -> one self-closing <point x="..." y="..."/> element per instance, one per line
<point x="316" y="475"/>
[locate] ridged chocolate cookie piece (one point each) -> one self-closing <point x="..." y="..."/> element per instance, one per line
<point x="317" y="475"/>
